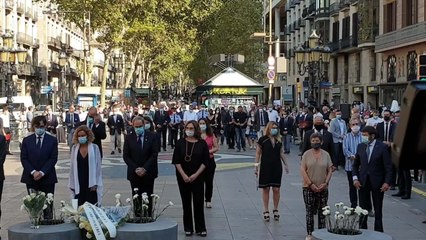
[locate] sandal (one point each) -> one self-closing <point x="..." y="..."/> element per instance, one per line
<point x="202" y="234"/>
<point x="188" y="234"/>
<point x="266" y="216"/>
<point x="276" y="215"/>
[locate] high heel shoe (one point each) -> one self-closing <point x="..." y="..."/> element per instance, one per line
<point x="266" y="216"/>
<point x="276" y="215"/>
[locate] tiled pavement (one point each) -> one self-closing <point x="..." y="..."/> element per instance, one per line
<point x="237" y="205"/>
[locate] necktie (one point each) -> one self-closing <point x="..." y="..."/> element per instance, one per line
<point x="140" y="142"/>
<point x="38" y="144"/>
<point x="261" y="119"/>
<point x="174" y="118"/>
<point x="386" y="132"/>
<point x="72" y="119"/>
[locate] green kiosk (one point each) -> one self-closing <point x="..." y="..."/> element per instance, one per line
<point x="230" y="88"/>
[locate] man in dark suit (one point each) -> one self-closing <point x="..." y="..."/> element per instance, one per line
<point x="230" y="131"/>
<point x="116" y="127"/>
<point x="327" y="137"/>
<point x="94" y="122"/>
<point x="260" y="120"/>
<point x="161" y="121"/>
<point x="140" y="153"/>
<point x="385" y="132"/>
<point x="52" y="121"/>
<point x="39" y="154"/>
<point x="371" y="171"/>
<point x="72" y="119"/>
<point x="304" y="122"/>
<point x="286" y="125"/>
<point x="2" y="159"/>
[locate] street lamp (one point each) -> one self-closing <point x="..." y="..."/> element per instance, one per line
<point x="63" y="61"/>
<point x="313" y="59"/>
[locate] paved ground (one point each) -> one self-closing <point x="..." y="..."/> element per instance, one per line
<point x="237" y="205"/>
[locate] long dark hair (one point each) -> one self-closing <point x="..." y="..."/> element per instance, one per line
<point x="209" y="130"/>
<point x="146" y="118"/>
<point x="197" y="130"/>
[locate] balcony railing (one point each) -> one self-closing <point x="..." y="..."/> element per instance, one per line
<point x="345" y="42"/>
<point x="25" y="39"/>
<point x="311" y="9"/>
<point x="54" y="67"/>
<point x="334" y="9"/>
<point x="344" y="4"/>
<point x="334" y="46"/>
<point x="27" y="69"/>
<point x="9" y="4"/>
<point x="353" y="2"/>
<point x="20" y="8"/>
<point x="322" y="13"/>
<point x="54" y="42"/>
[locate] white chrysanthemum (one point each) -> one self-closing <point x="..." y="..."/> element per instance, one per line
<point x="340" y="216"/>
<point x="81" y="225"/>
<point x="88" y="235"/>
<point x="50" y="195"/>
<point x="128" y="200"/>
<point x="44" y="206"/>
<point x="364" y="212"/>
<point x="135" y="189"/>
<point x="326" y="208"/>
<point x="326" y="212"/>
<point x="171" y="203"/>
<point x="32" y="195"/>
<point x="23" y="207"/>
<point x="348" y="212"/>
<point x="117" y="196"/>
<point x="345" y="208"/>
<point x="358" y="210"/>
<point x="144" y="206"/>
<point x="43" y="194"/>
<point x="135" y="196"/>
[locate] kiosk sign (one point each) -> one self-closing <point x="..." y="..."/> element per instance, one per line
<point x="229" y="91"/>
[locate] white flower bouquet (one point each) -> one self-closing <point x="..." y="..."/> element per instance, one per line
<point x="34" y="204"/>
<point x="346" y="219"/>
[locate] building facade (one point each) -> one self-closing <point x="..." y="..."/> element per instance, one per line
<point x="401" y="41"/>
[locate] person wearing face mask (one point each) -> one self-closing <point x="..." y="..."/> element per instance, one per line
<point x="338" y="128"/>
<point x="268" y="167"/>
<point x="286" y="127"/>
<point x="373" y="121"/>
<point x="39" y="154"/>
<point x="175" y="122"/>
<point x="273" y="114"/>
<point x="85" y="178"/>
<point x="316" y="169"/>
<point x="208" y="136"/>
<point x="115" y="124"/>
<point x="372" y="173"/>
<point x="260" y="120"/>
<point x="140" y="153"/>
<point x="304" y="122"/>
<point x="327" y="137"/>
<point x="350" y="144"/>
<point x="94" y="122"/>
<point x="191" y="157"/>
<point x="52" y="121"/>
<point x="230" y="133"/>
<point x="385" y="133"/>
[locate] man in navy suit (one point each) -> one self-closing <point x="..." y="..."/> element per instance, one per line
<point x="140" y="153"/>
<point x="39" y="154"/>
<point x="52" y="121"/>
<point x="372" y="171"/>
<point x="161" y="120"/>
<point x="116" y="127"/>
<point x="72" y="120"/>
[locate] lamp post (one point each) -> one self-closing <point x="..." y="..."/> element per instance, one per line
<point x="312" y="60"/>
<point x="63" y="61"/>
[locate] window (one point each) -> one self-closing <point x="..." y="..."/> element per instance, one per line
<point x="358" y="67"/>
<point x="335" y="32"/>
<point x="346" y="28"/>
<point x="410" y="12"/>
<point x="389" y="17"/>
<point x="335" y="70"/>
<point x="346" y="68"/>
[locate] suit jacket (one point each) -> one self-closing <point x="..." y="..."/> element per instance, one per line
<point x="257" y="119"/>
<point x="161" y="119"/>
<point x="44" y="159"/>
<point x="2" y="156"/>
<point x="327" y="142"/>
<point x="380" y="128"/>
<point x="379" y="169"/>
<point x="136" y="156"/>
<point x="117" y="125"/>
<point x="68" y="120"/>
<point x="286" y="125"/>
<point x="335" y="130"/>
<point x="99" y="132"/>
<point x="52" y="124"/>
<point x="309" y="118"/>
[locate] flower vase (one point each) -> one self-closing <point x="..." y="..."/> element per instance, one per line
<point x="35" y="220"/>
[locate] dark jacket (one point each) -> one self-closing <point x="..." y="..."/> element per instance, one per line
<point x="52" y="124"/>
<point x="2" y="156"/>
<point x="99" y="132"/>
<point x="161" y="119"/>
<point x="379" y="169"/>
<point x="380" y="128"/>
<point x="117" y="125"/>
<point x="68" y="120"/>
<point x="44" y="159"/>
<point x="135" y="156"/>
<point x="257" y="121"/>
<point x="327" y="142"/>
<point x="286" y="124"/>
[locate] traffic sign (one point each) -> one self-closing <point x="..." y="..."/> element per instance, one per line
<point x="271" y="74"/>
<point x="46" y="89"/>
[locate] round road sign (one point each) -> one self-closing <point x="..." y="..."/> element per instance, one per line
<point x="271" y="74"/>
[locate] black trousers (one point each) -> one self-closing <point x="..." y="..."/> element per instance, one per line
<point x="173" y="136"/>
<point x="404" y="182"/>
<point x="1" y="193"/>
<point x="143" y="186"/>
<point x="162" y="133"/>
<point x="192" y="195"/>
<point x="339" y="158"/>
<point x="48" y="188"/>
<point x="208" y="179"/>
<point x="353" y="194"/>
<point x="365" y="194"/>
<point x="230" y="138"/>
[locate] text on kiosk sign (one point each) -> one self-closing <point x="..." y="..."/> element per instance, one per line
<point x="229" y="91"/>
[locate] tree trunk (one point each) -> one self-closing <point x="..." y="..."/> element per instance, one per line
<point x="108" y="56"/>
<point x="134" y="59"/>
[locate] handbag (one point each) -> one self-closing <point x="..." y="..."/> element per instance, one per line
<point x="8" y="136"/>
<point x="303" y="124"/>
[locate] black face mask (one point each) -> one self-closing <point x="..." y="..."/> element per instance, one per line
<point x="386" y="118"/>
<point x="316" y="145"/>
<point x="319" y="127"/>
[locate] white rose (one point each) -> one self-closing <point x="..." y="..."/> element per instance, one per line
<point x="135" y="196"/>
<point x="50" y="195"/>
<point x="117" y="196"/>
<point x="81" y="225"/>
<point x="88" y="235"/>
<point x="135" y="189"/>
<point x="128" y="200"/>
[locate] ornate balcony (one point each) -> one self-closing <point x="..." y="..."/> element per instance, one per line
<point x="25" y="39"/>
<point x="334" y="9"/>
<point x="402" y="37"/>
<point x="344" y="4"/>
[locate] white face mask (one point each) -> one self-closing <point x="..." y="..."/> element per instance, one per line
<point x="355" y="129"/>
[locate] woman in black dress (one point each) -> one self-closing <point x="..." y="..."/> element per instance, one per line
<point x="190" y="157"/>
<point x="270" y="154"/>
<point x="85" y="181"/>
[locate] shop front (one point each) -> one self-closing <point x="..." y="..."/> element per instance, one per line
<point x="230" y="88"/>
